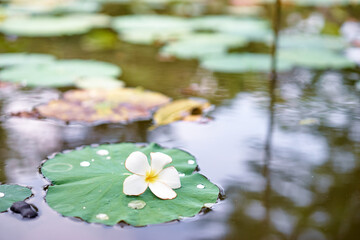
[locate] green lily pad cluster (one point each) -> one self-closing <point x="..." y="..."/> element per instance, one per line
<point x="52" y="26"/>
<point x="10" y="194"/>
<point x="43" y="70"/>
<point x="88" y="184"/>
<point x="150" y="29"/>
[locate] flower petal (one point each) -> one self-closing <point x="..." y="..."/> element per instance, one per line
<point x="137" y="163"/>
<point x="134" y="185"/>
<point x="159" y="160"/>
<point x="170" y="177"/>
<point x="161" y="190"/>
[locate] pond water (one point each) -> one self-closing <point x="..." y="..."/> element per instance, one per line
<point x="287" y="159"/>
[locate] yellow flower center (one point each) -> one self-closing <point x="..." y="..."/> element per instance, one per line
<point x="151" y="176"/>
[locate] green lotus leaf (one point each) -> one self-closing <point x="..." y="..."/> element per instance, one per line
<point x="320" y="3"/>
<point x="88" y="184"/>
<point x="147" y="29"/>
<point x="315" y="58"/>
<point x="10" y="194"/>
<point x="248" y="28"/>
<point x="58" y="73"/>
<point x="241" y="63"/>
<point x="312" y="42"/>
<point x="197" y="46"/>
<point x="325" y="3"/>
<point x="43" y="7"/>
<point x="46" y="26"/>
<point x="10" y="59"/>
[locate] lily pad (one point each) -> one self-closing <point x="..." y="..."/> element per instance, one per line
<point x="149" y="29"/>
<point x="325" y="3"/>
<point x="46" y="26"/>
<point x="50" y="7"/>
<point x="241" y="63"/>
<point x="101" y="105"/>
<point x="58" y="73"/>
<point x="93" y="191"/>
<point x="200" y="45"/>
<point x="312" y="42"/>
<point x="183" y="109"/>
<point x="249" y="28"/>
<point x="316" y="59"/>
<point x="11" y="59"/>
<point x="99" y="82"/>
<point x="10" y="194"/>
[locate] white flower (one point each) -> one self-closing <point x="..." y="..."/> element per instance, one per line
<point x="160" y="180"/>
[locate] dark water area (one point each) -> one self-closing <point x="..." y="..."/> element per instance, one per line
<point x="296" y="177"/>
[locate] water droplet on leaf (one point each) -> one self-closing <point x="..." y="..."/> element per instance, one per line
<point x="200" y="186"/>
<point x="137" y="204"/>
<point x="102" y="216"/>
<point x="191" y="162"/>
<point x="2" y="194"/>
<point x="84" y="164"/>
<point x="102" y="152"/>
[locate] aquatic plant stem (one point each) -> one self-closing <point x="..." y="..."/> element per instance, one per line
<point x="272" y="94"/>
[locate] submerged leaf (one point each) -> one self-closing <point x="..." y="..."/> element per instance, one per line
<point x="183" y="109"/>
<point x="93" y="191"/>
<point x="101" y="105"/>
<point x="10" y="194"/>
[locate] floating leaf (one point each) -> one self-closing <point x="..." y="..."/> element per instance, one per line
<point x="248" y="28"/>
<point x="315" y="58"/>
<point x="241" y="63"/>
<point x="324" y="3"/>
<point x="180" y="110"/>
<point x="101" y="105"/>
<point x="58" y="73"/>
<point x="149" y="29"/>
<point x="312" y="42"/>
<point x="50" y="7"/>
<point x="99" y="82"/>
<point x="11" y="59"/>
<point x="201" y="45"/>
<point x="93" y="191"/>
<point x="12" y="193"/>
<point x="46" y="26"/>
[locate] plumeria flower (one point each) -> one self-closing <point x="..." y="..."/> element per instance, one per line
<point x="160" y="180"/>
